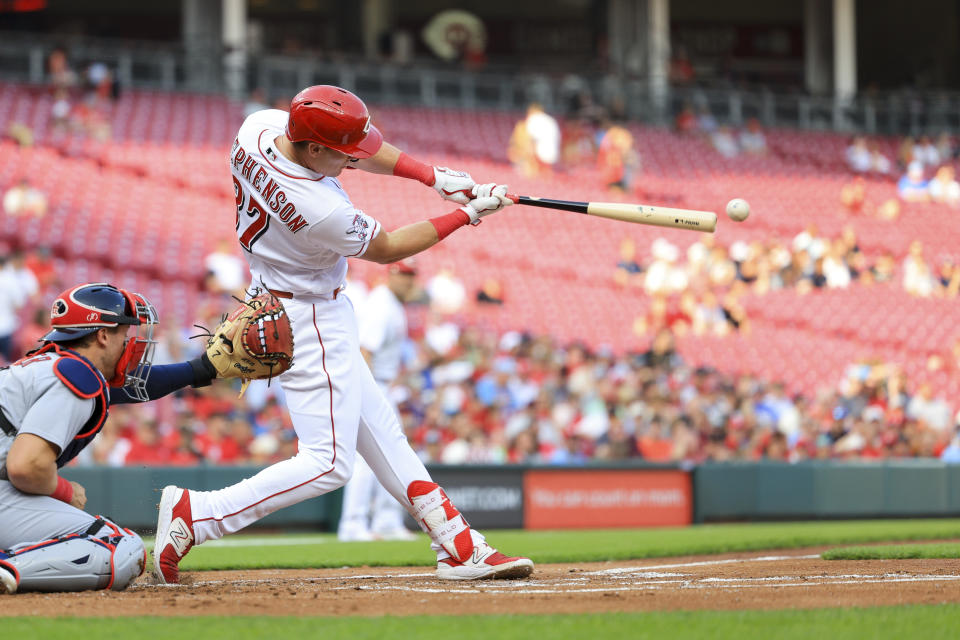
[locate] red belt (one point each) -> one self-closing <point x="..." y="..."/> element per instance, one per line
<point x="289" y="296"/>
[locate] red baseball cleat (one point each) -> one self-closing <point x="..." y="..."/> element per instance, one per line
<point x="484" y="563"/>
<point x="174" y="534"/>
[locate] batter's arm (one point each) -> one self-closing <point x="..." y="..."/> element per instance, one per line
<point x="390" y="246"/>
<point x="383" y="161"/>
<point x="451" y="184"/>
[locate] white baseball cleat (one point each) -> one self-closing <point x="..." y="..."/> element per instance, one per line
<point x="8" y="577"/>
<point x="485" y="563"/>
<point x="174" y="534"/>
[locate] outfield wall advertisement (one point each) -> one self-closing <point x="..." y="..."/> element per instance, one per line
<point x="615" y="498"/>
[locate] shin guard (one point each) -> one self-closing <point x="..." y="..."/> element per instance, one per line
<point x="111" y="559"/>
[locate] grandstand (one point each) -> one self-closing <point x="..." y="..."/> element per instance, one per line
<point x="108" y="198"/>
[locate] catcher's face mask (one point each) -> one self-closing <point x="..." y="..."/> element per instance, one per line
<point x="135" y="362"/>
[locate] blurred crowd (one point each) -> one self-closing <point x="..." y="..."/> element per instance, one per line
<point x="926" y="170"/>
<point x="515" y="398"/>
<point x="701" y="291"/>
<point x="588" y="135"/>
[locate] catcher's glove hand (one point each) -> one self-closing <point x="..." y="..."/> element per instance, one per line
<point x="254" y="342"/>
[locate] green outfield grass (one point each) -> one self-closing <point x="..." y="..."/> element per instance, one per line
<point x="931" y="622"/>
<point x="895" y="552"/>
<point x="324" y="551"/>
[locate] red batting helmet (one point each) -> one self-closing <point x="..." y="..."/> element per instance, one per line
<point x="335" y="118"/>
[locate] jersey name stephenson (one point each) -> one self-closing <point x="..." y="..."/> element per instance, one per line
<point x="297" y="227"/>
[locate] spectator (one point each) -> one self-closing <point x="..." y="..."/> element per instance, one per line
<point x="951" y="454"/>
<point x="23" y="199"/>
<point x="929" y="410"/>
<point x="948" y="277"/>
<point x="61" y="112"/>
<point x="29" y="335"/>
<point x="534" y="146"/>
<point x="686" y="121"/>
<point x="858" y="155"/>
<point x="12" y="299"/>
<point x="617" y="159"/>
<point x="256" y="101"/>
<point x="59" y="73"/>
<point x="101" y="86"/>
<point x="912" y="187"/>
<point x="889" y="209"/>
<point x="853" y="194"/>
<point x="944" y="187"/>
<point x="835" y="267"/>
<point x="706" y="123"/>
<point x="905" y="153"/>
<point x="664" y="275"/>
<point x="21" y="134"/>
<point x="884" y="268"/>
<point x="926" y="153"/>
<point x="917" y="275"/>
<point x="879" y="163"/>
<point x="490" y="292"/>
<point x="628" y="270"/>
<point x="544" y="133"/>
<point x="446" y="291"/>
<point x="724" y="142"/>
<point x="40" y="262"/>
<point x="752" y="139"/>
<point x="229" y="272"/>
<point x="681" y="70"/>
<point x="945" y="147"/>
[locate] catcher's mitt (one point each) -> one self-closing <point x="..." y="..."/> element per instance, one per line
<point x="254" y="342"/>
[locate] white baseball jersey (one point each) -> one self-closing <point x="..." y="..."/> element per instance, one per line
<point x="382" y="325"/>
<point x="297" y="227"/>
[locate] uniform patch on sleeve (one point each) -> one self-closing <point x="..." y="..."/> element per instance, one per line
<point x="360" y="226"/>
<point x="78" y="377"/>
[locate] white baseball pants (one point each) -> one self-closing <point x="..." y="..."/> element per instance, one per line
<point x="337" y="409"/>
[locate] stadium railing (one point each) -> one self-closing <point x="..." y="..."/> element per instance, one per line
<point x="171" y="67"/>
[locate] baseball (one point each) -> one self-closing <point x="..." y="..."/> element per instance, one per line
<point x="738" y="209"/>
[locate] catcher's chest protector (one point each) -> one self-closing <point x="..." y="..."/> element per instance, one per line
<point x="80" y="376"/>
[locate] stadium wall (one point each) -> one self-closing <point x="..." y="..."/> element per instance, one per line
<point x="595" y="496"/>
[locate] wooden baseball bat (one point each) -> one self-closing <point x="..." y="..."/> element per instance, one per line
<point x="705" y="221"/>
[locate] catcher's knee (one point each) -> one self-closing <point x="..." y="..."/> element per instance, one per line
<point x="106" y="556"/>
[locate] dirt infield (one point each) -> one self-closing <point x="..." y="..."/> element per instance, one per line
<point x="794" y="579"/>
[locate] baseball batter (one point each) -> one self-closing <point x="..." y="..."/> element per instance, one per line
<point x="53" y="402"/>
<point x="297" y="227"/>
<point x="369" y="511"/>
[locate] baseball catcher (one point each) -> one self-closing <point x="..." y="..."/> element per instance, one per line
<point x="53" y="402"/>
<point x="254" y="342"/>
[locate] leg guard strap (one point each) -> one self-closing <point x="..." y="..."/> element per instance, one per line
<point x="440" y="519"/>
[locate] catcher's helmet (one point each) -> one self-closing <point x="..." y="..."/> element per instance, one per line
<point x="83" y="309"/>
<point x="335" y="118"/>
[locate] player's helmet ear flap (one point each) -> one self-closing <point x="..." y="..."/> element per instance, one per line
<point x="335" y="118"/>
